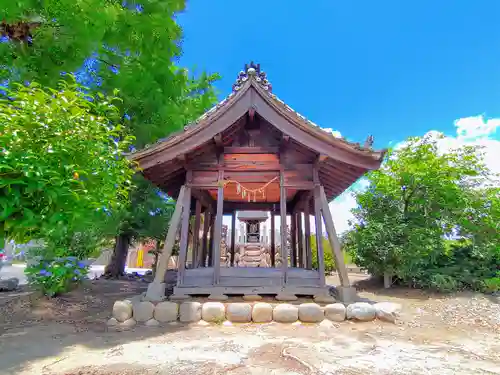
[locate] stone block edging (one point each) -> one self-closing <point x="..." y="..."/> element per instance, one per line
<point x="128" y="313"/>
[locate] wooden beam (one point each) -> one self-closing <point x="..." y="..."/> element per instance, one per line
<point x="233" y="237"/>
<point x="334" y="241"/>
<point x="184" y="234"/>
<point x="251" y="150"/>
<point x="319" y="235"/>
<point x="196" y="236"/>
<point x="245" y="206"/>
<point x="218" y="229"/>
<point x="307" y="235"/>
<point x="273" y="241"/>
<point x="283" y="231"/>
<point x="173" y="228"/>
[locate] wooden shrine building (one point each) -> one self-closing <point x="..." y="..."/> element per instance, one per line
<point x="252" y="152"/>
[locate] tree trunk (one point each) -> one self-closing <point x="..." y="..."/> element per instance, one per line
<point x="156" y="257"/>
<point x="116" y="266"/>
<point x="387" y="280"/>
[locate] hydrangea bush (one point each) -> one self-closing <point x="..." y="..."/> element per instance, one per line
<point x="56" y="276"/>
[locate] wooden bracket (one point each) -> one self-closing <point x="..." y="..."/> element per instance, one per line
<point x="182" y="159"/>
<point x="219" y="146"/>
<point x="218" y="140"/>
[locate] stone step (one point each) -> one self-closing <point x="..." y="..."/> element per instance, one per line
<point x="252" y="253"/>
<point x="252" y="257"/>
<point x="250" y="262"/>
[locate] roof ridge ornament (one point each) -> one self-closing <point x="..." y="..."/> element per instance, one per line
<point x="252" y="71"/>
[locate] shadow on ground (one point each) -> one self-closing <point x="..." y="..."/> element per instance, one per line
<point x="44" y="327"/>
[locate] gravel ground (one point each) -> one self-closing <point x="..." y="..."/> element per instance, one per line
<point x="455" y="334"/>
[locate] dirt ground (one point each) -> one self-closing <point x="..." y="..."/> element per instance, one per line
<point x="454" y="334"/>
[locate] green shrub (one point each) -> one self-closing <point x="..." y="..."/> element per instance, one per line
<point x="492" y="285"/>
<point x="443" y="283"/>
<point x="57" y="275"/>
<point x="330" y="264"/>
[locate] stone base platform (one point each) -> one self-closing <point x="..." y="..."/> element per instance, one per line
<point x="128" y="313"/>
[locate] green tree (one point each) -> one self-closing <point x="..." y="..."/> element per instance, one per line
<point x="418" y="198"/>
<point x="125" y="46"/>
<point x="132" y="48"/>
<point x="62" y="163"/>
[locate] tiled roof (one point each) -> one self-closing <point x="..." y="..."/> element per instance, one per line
<point x="253" y="72"/>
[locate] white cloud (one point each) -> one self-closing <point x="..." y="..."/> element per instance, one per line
<point x="335" y="133"/>
<point x="476" y="127"/>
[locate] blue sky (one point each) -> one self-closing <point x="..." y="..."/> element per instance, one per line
<point x="389" y="68"/>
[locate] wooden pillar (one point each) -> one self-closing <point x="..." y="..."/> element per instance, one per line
<point x="186" y="207"/>
<point x="162" y="266"/>
<point x="319" y="235"/>
<point x="284" y="249"/>
<point x="293" y="235"/>
<point x="218" y="229"/>
<point x="307" y="235"/>
<point x="211" y="242"/>
<point x="300" y="240"/>
<point x="334" y="241"/>
<point x="206" y="227"/>
<point x="233" y="236"/>
<point x="196" y="235"/>
<point x="273" y="241"/>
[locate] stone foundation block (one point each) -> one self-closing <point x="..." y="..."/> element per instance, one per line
<point x="387" y="311"/>
<point x="143" y="311"/>
<point x="112" y="322"/>
<point x="311" y="313"/>
<point x="285" y="313"/>
<point x="122" y="311"/>
<point x="178" y="297"/>
<point x="239" y="312"/>
<point x="335" y="312"/>
<point x="286" y="297"/>
<point x="129" y="323"/>
<point x="166" y="312"/>
<point x="252" y="297"/>
<point x="346" y="294"/>
<point x="213" y="312"/>
<point x="324" y="298"/>
<point x="262" y="313"/>
<point x="218" y="297"/>
<point x="361" y="311"/>
<point x="152" y="323"/>
<point x="190" y="312"/>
